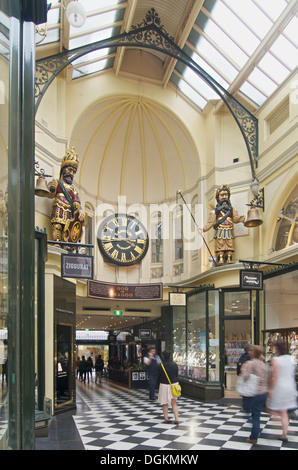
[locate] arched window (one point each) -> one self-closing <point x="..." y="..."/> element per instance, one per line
<point x="287" y="224"/>
<point x="178" y="232"/>
<point x="156" y="238"/>
<point x="89" y="225"/>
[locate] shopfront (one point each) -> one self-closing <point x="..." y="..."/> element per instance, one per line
<point x="209" y="335"/>
<point x="280" y="300"/>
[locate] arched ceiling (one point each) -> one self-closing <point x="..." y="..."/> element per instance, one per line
<point x="132" y="146"/>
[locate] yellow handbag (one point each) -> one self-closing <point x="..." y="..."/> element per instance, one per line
<point x="176" y="388"/>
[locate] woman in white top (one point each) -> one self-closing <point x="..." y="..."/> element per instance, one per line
<point x="282" y="394"/>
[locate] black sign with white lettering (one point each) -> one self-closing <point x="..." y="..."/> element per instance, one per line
<point x="77" y="266"/>
<point x="251" y="280"/>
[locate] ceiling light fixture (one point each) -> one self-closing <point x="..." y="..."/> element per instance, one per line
<point x="75" y="14"/>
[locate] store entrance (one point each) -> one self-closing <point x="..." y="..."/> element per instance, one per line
<point x="238" y="334"/>
<point x="237" y="337"/>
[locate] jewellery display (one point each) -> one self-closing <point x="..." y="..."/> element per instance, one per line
<point x="290" y="335"/>
<point x="233" y="350"/>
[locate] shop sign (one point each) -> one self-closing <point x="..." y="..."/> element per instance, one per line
<point x="177" y="299"/>
<point x="77" y="266"/>
<point x="145" y="333"/>
<point x="105" y="290"/>
<point x="251" y="279"/>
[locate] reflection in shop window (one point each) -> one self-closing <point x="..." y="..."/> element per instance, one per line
<point x="179" y="339"/>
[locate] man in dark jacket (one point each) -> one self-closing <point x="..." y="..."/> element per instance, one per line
<point x="152" y="362"/>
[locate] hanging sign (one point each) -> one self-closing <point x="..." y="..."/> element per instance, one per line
<point x="77" y="266"/>
<point x="105" y="290"/>
<point x="251" y="279"/>
<point x="177" y="299"/>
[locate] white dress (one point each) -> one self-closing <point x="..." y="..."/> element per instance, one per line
<point x="284" y="396"/>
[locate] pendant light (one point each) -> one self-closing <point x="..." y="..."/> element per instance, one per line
<point x="75" y="14"/>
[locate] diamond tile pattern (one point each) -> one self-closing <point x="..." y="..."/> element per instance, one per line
<point x="120" y="419"/>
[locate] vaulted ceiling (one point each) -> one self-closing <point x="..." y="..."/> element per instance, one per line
<point x="249" y="48"/>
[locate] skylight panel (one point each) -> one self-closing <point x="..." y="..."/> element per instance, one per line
<point x="199" y="85"/>
<point x="286" y="52"/>
<point x="210" y="70"/>
<point x="272" y="67"/>
<point x="91" y="56"/>
<point x="90" y="38"/>
<point x="215" y="57"/>
<point x="89" y="68"/>
<point x="226" y="44"/>
<point x="236" y="29"/>
<point x="94" y="22"/>
<point x="191" y="94"/>
<point x="290" y="31"/>
<point x="262" y="82"/>
<point x="252" y="93"/>
<point x="251" y="15"/>
<point x="272" y="8"/>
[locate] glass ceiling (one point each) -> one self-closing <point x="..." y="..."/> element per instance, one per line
<point x="248" y="46"/>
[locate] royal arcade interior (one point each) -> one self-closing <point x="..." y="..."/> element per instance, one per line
<point x="155" y="105"/>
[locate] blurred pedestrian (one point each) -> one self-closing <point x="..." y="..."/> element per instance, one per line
<point x="282" y="389"/>
<point x="257" y="367"/>
<point x="243" y="358"/>
<point x="152" y="362"/>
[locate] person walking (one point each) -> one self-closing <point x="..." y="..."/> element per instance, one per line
<point x="89" y="367"/>
<point x="152" y="362"/>
<point x="165" y="396"/>
<point x="82" y="369"/>
<point x="257" y="367"/>
<point x="99" y="365"/>
<point x="282" y="394"/>
<point x="243" y="358"/>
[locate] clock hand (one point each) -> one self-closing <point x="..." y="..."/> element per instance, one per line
<point x="118" y="239"/>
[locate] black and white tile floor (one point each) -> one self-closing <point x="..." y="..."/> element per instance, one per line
<point x="117" y="419"/>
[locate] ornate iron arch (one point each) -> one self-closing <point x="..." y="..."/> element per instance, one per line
<point x="151" y="34"/>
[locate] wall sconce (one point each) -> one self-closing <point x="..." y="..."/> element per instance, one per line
<point x="253" y="218"/>
<point x="75" y="14"/>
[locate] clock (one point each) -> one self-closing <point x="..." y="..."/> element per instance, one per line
<point x="122" y="239"/>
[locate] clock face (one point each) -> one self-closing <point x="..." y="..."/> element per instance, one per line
<point x="122" y="239"/>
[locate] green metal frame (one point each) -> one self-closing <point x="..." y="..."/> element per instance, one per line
<point x="21" y="237"/>
<point x="151" y="34"/>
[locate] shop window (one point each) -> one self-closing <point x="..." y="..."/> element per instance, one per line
<point x="196" y="337"/>
<point x="280" y="300"/>
<point x="213" y="335"/>
<point x="179" y="339"/>
<point x="287" y="224"/>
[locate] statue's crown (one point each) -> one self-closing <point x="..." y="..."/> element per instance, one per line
<point x="70" y="158"/>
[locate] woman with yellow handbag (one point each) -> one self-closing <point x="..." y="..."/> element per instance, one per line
<point x="169" y="388"/>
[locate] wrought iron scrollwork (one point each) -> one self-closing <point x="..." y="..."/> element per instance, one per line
<point x="150" y="33"/>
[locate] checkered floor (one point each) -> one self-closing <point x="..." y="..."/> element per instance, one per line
<point x="125" y="420"/>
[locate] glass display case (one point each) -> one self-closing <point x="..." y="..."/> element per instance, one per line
<point x="196" y="346"/>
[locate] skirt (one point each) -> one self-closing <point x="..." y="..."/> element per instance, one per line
<point x="165" y="394"/>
